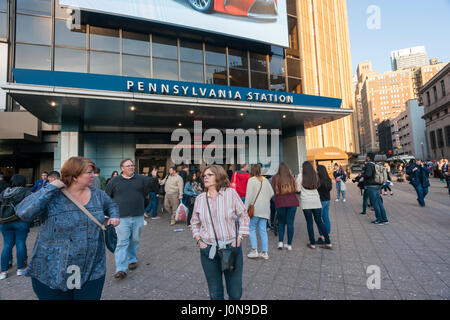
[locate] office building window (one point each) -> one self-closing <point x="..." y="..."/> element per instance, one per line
<point x="433" y="140"/>
<point x="135" y="54"/>
<point x="33" y="57"/>
<point x="440" y="138"/>
<point x="32" y="29"/>
<point x="428" y="98"/>
<point x="447" y="135"/>
<point x="238" y="66"/>
<point x="164" y="58"/>
<point x="39" y="7"/>
<point x="71" y="60"/>
<point x="443" y="88"/>
<point x="64" y="36"/>
<point x="216" y="65"/>
<point x="277" y="72"/>
<point x="191" y="59"/>
<point x="104" y="39"/>
<point x="258" y="67"/>
<point x="435" y="94"/>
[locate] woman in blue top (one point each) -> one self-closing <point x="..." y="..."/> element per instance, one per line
<point x="69" y="244"/>
<point x="192" y="189"/>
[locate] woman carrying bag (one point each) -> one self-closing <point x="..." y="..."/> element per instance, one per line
<point x="257" y="201"/>
<point x="218" y="234"/>
<point x="69" y="243"/>
<point x="192" y="189"/>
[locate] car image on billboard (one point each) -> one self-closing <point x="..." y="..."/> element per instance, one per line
<point x="259" y="9"/>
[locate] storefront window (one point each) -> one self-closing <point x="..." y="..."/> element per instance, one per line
<point x="104" y="39"/>
<point x="191" y="72"/>
<point x="33" y="57"/>
<point x="164" y="47"/>
<point x="135" y="66"/>
<point x="105" y="63"/>
<point x="70" y="60"/>
<point x="32" y="29"/>
<point x="165" y="69"/>
<point x="41" y="7"/>
<point x="71" y="38"/>
<point x="136" y="43"/>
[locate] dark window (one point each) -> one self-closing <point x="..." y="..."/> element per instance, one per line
<point x="104" y="39"/>
<point x="294" y="85"/>
<point x="33" y="57"/>
<point x="443" y="87"/>
<point x="135" y="66"/>
<point x="41" y="7"/>
<point x="238" y="63"/>
<point x="293" y="67"/>
<point x="428" y="98"/>
<point x="259" y="80"/>
<point x="238" y="77"/>
<point x="435" y="94"/>
<point x="105" y="63"/>
<point x="32" y="29"/>
<point x="291" y="7"/>
<point x="136" y="43"/>
<point x="165" y="69"/>
<point x="440" y="138"/>
<point x="447" y="135"/>
<point x="70" y="38"/>
<point x="164" y="47"/>
<point x="258" y="62"/>
<point x="293" y="33"/>
<point x="71" y="60"/>
<point x="433" y="140"/>
<point x="277" y="83"/>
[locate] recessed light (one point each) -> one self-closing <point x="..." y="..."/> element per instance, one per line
<point x="191" y="111"/>
<point x="180" y="124"/>
<point x="242" y="114"/>
<point x="53" y="103"/>
<point x="284" y="116"/>
<point x="259" y="127"/>
<point x="132" y="108"/>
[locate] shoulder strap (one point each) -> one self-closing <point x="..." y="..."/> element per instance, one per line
<point x="258" y="193"/>
<point x="85" y="211"/>
<point x="212" y="222"/>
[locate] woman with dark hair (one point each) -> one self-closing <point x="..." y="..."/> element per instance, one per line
<point x="215" y="227"/>
<point x="68" y="237"/>
<point x="286" y="203"/>
<point x="324" y="192"/>
<point x="192" y="189"/>
<point x="113" y="175"/>
<point x="14" y="232"/>
<point x="310" y="200"/>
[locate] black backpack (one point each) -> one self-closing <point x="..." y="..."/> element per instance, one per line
<point x="8" y="211"/>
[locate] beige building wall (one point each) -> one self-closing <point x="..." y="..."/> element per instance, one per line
<point x="326" y="68"/>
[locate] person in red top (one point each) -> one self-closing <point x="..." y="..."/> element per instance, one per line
<point x="241" y="179"/>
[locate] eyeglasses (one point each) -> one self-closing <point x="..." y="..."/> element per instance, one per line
<point x="208" y="175"/>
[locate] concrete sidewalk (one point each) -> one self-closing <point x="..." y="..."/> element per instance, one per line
<point x="413" y="253"/>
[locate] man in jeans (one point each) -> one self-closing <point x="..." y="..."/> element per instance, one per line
<point x="419" y="180"/>
<point x="173" y="186"/>
<point x="128" y="190"/>
<point x="374" y="190"/>
<point x="154" y="188"/>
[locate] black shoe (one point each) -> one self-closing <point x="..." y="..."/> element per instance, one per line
<point x="362" y="213"/>
<point x="320" y="241"/>
<point x="132" y="266"/>
<point x="120" y="275"/>
<point x="385" y="222"/>
<point x="378" y="222"/>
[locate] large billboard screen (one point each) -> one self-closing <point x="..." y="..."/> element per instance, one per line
<point x="258" y="20"/>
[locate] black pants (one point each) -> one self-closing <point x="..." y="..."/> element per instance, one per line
<point x="317" y="215"/>
<point x="190" y="200"/>
<point x="91" y="290"/>
<point x="386" y="187"/>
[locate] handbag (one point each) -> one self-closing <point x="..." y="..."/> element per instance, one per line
<point x="227" y="256"/>
<point x="109" y="232"/>
<point x="251" y="208"/>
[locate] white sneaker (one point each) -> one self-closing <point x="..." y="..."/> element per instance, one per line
<point x="264" y="255"/>
<point x="288" y="246"/>
<point x="20" y="272"/>
<point x="280" y="245"/>
<point x="337" y="200"/>
<point x="3" y="275"/>
<point x="253" y="254"/>
<point x="344" y="200"/>
<point x="145" y="223"/>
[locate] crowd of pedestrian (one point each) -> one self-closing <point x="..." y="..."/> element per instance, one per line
<point x="223" y="207"/>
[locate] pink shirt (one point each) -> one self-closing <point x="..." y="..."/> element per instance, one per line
<point x="224" y="209"/>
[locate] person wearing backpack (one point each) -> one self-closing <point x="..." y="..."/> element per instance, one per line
<point x="375" y="176"/>
<point x="419" y="180"/>
<point x="14" y="231"/>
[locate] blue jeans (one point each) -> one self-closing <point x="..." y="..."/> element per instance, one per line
<point x="375" y="199"/>
<point x="153" y="205"/>
<point x="213" y="274"/>
<point x="261" y="223"/>
<point x="286" y="216"/>
<point x="14" y="233"/>
<point x="128" y="234"/>
<point x="365" y="198"/>
<point x="421" y="194"/>
<point x="325" y="216"/>
<point x="92" y="290"/>
<point x="339" y="191"/>
<point x="317" y="214"/>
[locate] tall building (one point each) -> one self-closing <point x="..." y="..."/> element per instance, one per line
<point x="435" y="97"/>
<point x="383" y="96"/>
<point x="325" y="65"/>
<point x="110" y="82"/>
<point x="408" y="58"/>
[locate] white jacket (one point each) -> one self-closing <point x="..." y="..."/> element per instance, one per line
<point x="262" y="204"/>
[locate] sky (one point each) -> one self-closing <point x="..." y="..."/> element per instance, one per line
<point x="401" y="24"/>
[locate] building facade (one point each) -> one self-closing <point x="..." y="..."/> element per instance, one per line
<point x="409" y="58"/>
<point x="435" y="97"/>
<point x="383" y="96"/>
<point x="108" y="87"/>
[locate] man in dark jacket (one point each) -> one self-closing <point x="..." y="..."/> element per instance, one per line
<point x="153" y="195"/>
<point x="419" y="180"/>
<point x="41" y="183"/>
<point x="374" y="190"/>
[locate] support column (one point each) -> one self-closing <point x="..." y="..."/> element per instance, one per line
<point x="294" y="147"/>
<point x="71" y="142"/>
